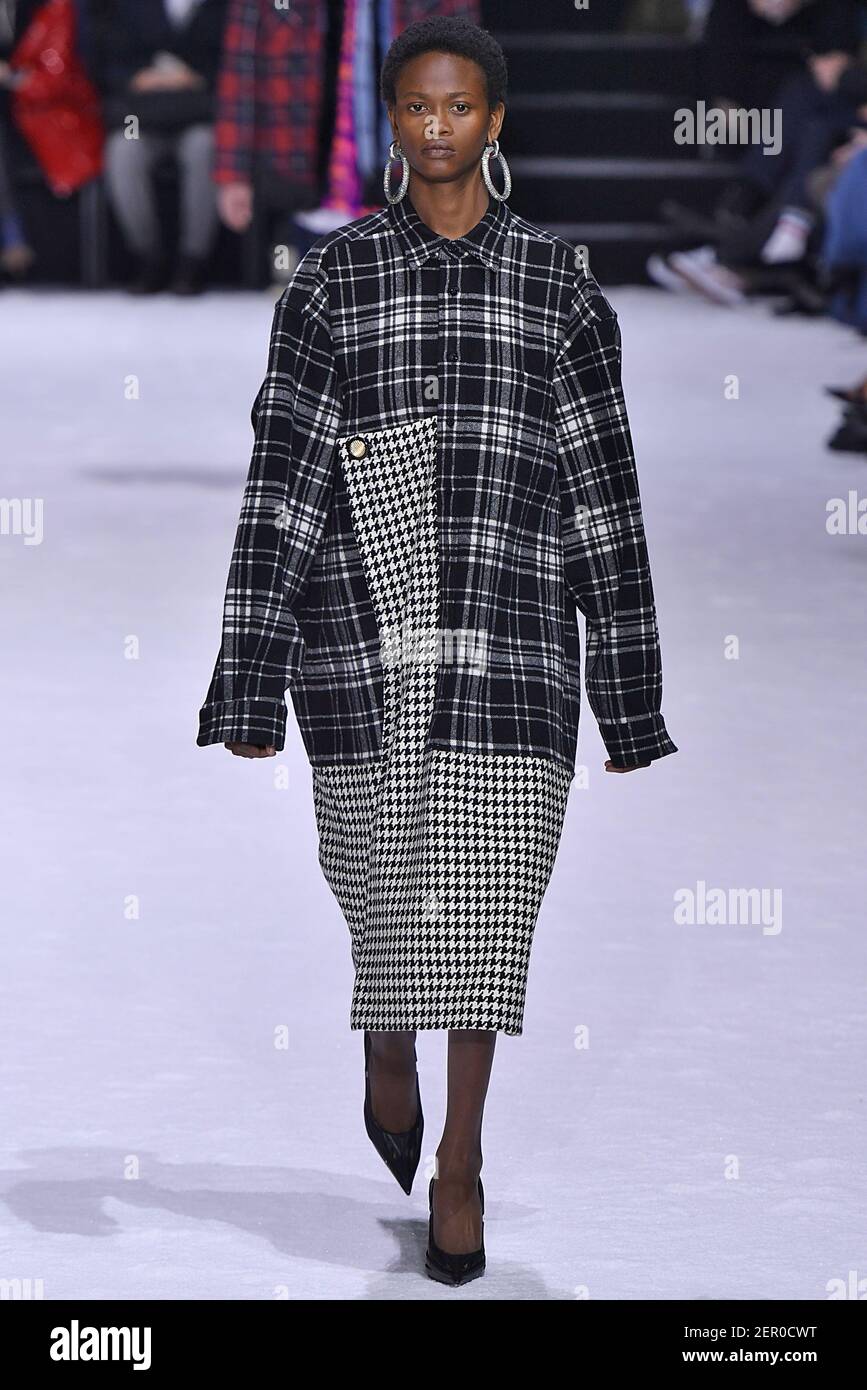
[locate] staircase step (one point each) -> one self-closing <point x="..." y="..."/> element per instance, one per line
<point x="617" y="252"/>
<point x="610" y="124"/>
<point x="601" y="62"/>
<point x="622" y="190"/>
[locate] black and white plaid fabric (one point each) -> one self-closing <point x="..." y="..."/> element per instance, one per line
<point x="509" y="347"/>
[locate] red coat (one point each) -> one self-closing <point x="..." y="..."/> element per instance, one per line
<point x="54" y="104"/>
<point x="269" y="91"/>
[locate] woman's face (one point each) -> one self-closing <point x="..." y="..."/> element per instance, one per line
<point x="442" y="98"/>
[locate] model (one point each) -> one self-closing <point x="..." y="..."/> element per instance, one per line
<point x="442" y="473"/>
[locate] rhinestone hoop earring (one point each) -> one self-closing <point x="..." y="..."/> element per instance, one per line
<point x="395" y="152"/>
<point x="486" y="173"/>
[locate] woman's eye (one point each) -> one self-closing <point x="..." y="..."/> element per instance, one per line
<point x="415" y="104"/>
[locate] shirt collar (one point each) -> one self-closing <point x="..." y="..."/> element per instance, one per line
<point x="419" y="241"/>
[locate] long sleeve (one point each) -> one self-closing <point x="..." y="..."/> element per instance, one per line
<point x="234" y="128"/>
<point x="605" y="553"/>
<point x="285" y="506"/>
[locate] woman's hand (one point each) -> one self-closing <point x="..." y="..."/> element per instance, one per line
<point x="145" y="80"/>
<point x="855" y="145"/>
<point x="776" y="11"/>
<point x="235" y="205"/>
<point x="183" y="77"/>
<point x="158" y="79"/>
<point x="609" y="766"/>
<point x="251" y="750"/>
<point x="828" y="68"/>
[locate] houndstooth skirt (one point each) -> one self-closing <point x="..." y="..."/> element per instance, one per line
<point x="439" y="859"/>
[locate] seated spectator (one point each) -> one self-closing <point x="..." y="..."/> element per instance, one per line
<point x="817" y="112"/>
<point x="301" y="135"/>
<point x="844" y="249"/>
<point x="783" y="196"/>
<point x="739" y="33"/>
<point x="156" y="62"/>
<point x="16" y="253"/>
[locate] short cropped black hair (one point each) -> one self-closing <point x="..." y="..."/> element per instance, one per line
<point x="441" y="35"/>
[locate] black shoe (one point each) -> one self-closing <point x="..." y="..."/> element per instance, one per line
<point x="851" y="436"/>
<point x="853" y="395"/>
<point x="189" y="277"/>
<point x="400" y="1152"/>
<point x="152" y="273"/>
<point x="805" y="300"/>
<point x="453" y="1269"/>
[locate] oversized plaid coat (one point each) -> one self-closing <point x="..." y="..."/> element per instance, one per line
<point x="513" y="349"/>
<point x="270" y="87"/>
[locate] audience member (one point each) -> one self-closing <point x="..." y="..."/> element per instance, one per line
<point x="157" y="63"/>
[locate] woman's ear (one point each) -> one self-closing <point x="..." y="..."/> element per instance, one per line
<point x="496" y="124"/>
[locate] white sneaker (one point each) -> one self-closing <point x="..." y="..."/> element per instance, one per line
<point x="788" y="241"/>
<point x="702" y="272"/>
<point x="661" y="274"/>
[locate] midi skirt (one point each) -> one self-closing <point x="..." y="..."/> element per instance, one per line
<point x="438" y="858"/>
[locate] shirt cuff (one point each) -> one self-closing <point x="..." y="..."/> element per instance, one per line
<point x="243" y="721"/>
<point x="631" y="742"/>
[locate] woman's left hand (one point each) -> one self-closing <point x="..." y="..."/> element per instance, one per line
<point x="609" y="766"/>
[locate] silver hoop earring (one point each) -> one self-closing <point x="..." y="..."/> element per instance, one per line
<point x="395" y="152"/>
<point x="486" y="173"/>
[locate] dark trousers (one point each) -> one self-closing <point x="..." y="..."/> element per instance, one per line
<point x="814" y="122"/>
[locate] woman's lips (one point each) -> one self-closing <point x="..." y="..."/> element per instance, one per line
<point x="438" y="154"/>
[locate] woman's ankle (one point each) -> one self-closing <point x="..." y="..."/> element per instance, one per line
<point x="461" y="1166"/>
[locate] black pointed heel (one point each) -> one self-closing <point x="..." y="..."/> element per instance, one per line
<point x="399" y="1151"/>
<point x="448" y="1268"/>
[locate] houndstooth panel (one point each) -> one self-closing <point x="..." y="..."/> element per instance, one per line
<point x="439" y="859"/>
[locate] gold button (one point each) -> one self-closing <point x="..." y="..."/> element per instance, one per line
<point x="357" y="448"/>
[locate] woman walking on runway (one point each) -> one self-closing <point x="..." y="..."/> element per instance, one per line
<point x="442" y="474"/>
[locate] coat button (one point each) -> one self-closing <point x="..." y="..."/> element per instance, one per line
<point x="357" y="448"/>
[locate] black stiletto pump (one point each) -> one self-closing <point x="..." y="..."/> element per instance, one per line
<point x="399" y="1151"/>
<point x="448" y="1268"/>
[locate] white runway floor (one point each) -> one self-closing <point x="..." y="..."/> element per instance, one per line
<point x="165" y="917"/>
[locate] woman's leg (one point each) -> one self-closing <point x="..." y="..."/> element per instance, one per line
<point x="392" y="1069"/>
<point x="199" y="219"/>
<point x="129" y="183"/>
<point x="457" y="1208"/>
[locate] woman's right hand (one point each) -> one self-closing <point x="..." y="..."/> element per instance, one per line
<point x="235" y="205"/>
<point x="145" y="80"/>
<point x="251" y="750"/>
